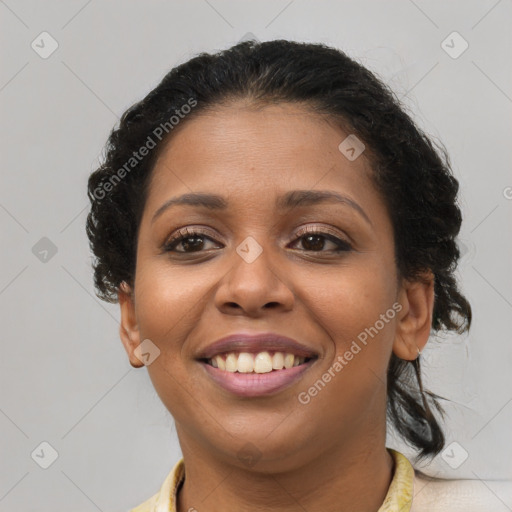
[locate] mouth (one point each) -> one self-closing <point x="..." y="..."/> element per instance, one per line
<point x="251" y="375"/>
<point x="252" y="364"/>
<point x="261" y="362"/>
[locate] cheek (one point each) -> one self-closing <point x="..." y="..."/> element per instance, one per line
<point x="349" y="301"/>
<point x="355" y="310"/>
<point x="168" y="301"/>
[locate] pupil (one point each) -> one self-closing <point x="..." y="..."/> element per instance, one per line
<point x="196" y="244"/>
<point x="311" y="242"/>
<point x="319" y="245"/>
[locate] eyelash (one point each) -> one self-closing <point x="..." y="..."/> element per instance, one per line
<point x="183" y="234"/>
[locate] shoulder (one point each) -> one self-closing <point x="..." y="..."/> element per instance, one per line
<point x="441" y="495"/>
<point x="165" y="498"/>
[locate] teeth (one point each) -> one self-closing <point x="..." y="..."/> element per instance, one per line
<point x="288" y="360"/>
<point x="262" y="362"/>
<point x="231" y="362"/>
<point x="221" y="364"/>
<point x="245" y="362"/>
<point x="278" y="361"/>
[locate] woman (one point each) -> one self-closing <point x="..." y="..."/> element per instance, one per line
<point x="281" y="239"/>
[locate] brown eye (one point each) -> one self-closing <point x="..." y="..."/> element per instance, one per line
<point x="189" y="240"/>
<point x="190" y="243"/>
<point x="315" y="240"/>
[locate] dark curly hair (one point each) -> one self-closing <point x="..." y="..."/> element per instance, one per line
<point x="413" y="176"/>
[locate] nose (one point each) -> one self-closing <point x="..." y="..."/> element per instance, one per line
<point x="252" y="286"/>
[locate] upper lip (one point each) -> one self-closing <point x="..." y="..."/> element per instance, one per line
<point x="254" y="343"/>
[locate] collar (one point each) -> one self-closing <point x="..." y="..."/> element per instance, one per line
<point x="398" y="498"/>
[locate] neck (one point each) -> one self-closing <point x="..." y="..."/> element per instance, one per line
<point x="352" y="477"/>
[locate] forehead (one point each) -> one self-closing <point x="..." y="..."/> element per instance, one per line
<point x="253" y="154"/>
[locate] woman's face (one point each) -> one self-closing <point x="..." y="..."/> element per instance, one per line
<point x="251" y="269"/>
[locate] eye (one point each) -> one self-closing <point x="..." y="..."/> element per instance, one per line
<point x="313" y="240"/>
<point x="191" y="240"/>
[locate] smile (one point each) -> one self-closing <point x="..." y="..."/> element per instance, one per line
<point x="262" y="362"/>
<point x="256" y="374"/>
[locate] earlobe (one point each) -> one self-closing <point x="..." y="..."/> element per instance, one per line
<point x="414" y="321"/>
<point x="128" y="328"/>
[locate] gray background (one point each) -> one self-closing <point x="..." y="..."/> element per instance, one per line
<point x="64" y="376"/>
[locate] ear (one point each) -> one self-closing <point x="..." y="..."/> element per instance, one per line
<point x="414" y="320"/>
<point x="128" y="329"/>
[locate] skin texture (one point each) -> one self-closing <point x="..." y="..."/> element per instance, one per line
<point x="328" y="455"/>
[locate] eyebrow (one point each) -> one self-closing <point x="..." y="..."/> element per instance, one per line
<point x="287" y="201"/>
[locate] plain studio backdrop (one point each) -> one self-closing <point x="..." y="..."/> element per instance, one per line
<point x="78" y="424"/>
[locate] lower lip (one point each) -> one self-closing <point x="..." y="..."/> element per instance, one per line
<point x="257" y="384"/>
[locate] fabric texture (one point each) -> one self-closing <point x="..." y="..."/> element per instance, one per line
<point x="442" y="495"/>
<point x="409" y="491"/>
